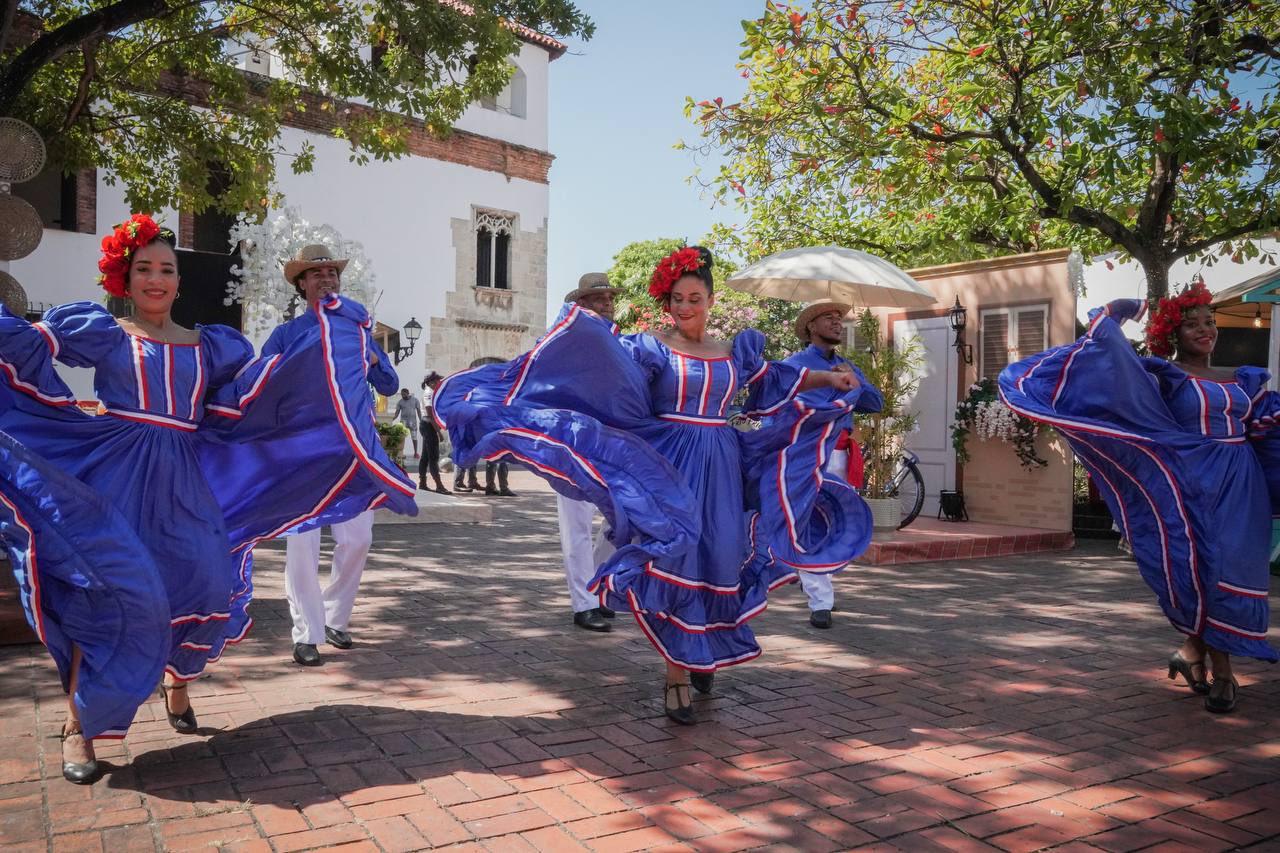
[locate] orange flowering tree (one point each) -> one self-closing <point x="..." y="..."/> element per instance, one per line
<point x="943" y="130"/>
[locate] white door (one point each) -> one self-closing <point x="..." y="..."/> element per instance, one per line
<point x="935" y="402"/>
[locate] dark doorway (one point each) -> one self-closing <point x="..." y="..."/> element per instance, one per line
<point x="203" y="292"/>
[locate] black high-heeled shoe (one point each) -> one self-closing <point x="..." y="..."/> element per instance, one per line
<point x="82" y="772"/>
<point x="1222" y="696"/>
<point x="702" y="681"/>
<point x="184" y="723"/>
<point x="682" y="713"/>
<point x="1178" y="665"/>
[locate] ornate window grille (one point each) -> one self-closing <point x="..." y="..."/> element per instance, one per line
<point x="493" y="250"/>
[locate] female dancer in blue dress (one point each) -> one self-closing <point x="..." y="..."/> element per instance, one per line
<point x="693" y="564"/>
<point x="119" y="543"/>
<point x="1169" y="445"/>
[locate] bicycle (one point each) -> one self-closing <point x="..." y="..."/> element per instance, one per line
<point x="907" y="485"/>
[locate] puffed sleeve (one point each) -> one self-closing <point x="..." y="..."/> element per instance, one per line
<point x="225" y="351"/>
<point x="644" y="351"/>
<point x="79" y="333"/>
<point x="382" y="375"/>
<point x="771" y="384"/>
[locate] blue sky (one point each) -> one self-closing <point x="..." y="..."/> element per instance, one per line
<point x="617" y="108"/>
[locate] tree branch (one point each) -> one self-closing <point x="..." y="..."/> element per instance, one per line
<point x="53" y="44"/>
<point x="1258" y="223"/>
<point x="90" y="51"/>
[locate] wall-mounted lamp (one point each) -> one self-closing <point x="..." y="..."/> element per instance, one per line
<point x="1257" y="317"/>
<point x="957" y="317"/>
<point x="412" y="331"/>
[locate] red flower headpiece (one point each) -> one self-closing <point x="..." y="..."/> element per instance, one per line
<point x="118" y="249"/>
<point x="670" y="268"/>
<point x="1162" y="328"/>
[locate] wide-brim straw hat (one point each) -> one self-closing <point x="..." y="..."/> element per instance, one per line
<point x="592" y="282"/>
<point x="813" y="309"/>
<point x="310" y="257"/>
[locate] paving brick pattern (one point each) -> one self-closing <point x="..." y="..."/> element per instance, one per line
<point x="1012" y="703"/>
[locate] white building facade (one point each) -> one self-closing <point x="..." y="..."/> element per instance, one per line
<point x="456" y="231"/>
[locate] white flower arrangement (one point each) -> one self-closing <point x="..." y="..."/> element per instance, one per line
<point x="983" y="414"/>
<point x="266" y="244"/>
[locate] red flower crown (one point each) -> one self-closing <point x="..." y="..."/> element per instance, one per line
<point x="118" y="249"/>
<point x="1162" y="328"/>
<point x="670" y="268"/>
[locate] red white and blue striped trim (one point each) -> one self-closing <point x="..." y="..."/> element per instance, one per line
<point x="638" y="613"/>
<point x="582" y="461"/>
<point x="50" y="337"/>
<point x="1066" y="368"/>
<point x="651" y="569"/>
<point x="186" y="618"/>
<point x="140" y="372"/>
<point x="729" y="390"/>
<point x="1243" y="590"/>
<point x="708" y="377"/>
<point x="694" y="420"/>
<point x="556" y="331"/>
<point x="167" y="369"/>
<point x="33" y="570"/>
<point x="254" y="391"/>
<point x="31" y="390"/>
<point x="338" y="486"/>
<point x="151" y="418"/>
<point x="395" y="480"/>
<point x="1072" y="424"/>
<point x="197" y="385"/>
<point x="759" y="373"/>
<point x="788" y="396"/>
<point x="1237" y="630"/>
<point x="1193" y="555"/>
<point x="788" y="512"/>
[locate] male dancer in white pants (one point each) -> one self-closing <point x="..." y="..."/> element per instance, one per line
<point x="323" y="615"/>
<point x="581" y="555"/>
<point x="821" y="326"/>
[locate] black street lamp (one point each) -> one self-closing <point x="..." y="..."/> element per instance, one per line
<point x="412" y="331"/>
<point x="957" y="317"/>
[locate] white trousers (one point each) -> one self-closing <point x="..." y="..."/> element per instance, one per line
<point x="581" y="555"/>
<point x="818" y="587"/>
<point x="311" y="608"/>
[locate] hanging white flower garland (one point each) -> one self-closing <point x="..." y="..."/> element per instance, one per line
<point x="983" y="414"/>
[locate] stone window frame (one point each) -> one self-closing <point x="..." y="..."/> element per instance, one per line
<point x="497" y="223"/>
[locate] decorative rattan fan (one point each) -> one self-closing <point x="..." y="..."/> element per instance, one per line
<point x="20" y="228"/>
<point x="21" y="151"/>
<point x="12" y="296"/>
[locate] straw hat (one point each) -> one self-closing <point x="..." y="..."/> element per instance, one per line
<point x="310" y="257"/>
<point x="592" y="282"/>
<point x="813" y="309"/>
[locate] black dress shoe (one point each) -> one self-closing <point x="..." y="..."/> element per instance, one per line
<point x="591" y="620"/>
<point x="681" y="712"/>
<point x="441" y="490"/>
<point x="820" y="618"/>
<point x="1222" y="696"/>
<point x="491" y="491"/>
<point x="306" y="654"/>
<point x="336" y="638"/>
<point x="506" y="493"/>
<point x="1178" y="665"/>
<point x="185" y="722"/>
<point x="422" y="486"/>
<point x="606" y="612"/>
<point x="81" y="773"/>
<point x="702" y="681"/>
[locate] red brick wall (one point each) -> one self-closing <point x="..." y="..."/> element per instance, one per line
<point x="87" y="201"/>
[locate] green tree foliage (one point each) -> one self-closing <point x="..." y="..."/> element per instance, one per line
<point x="734" y="311"/>
<point x="147" y="89"/>
<point x="942" y="130"/>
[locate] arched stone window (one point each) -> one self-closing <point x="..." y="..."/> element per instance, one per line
<point x="513" y="100"/>
<point x="493" y="250"/>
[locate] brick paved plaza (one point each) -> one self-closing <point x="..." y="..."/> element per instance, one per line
<point x="1014" y="704"/>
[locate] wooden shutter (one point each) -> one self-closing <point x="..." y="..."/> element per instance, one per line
<point x="1029" y="335"/>
<point x="995" y="343"/>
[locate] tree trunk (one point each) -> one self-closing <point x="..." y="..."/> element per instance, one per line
<point x="1157" y="272"/>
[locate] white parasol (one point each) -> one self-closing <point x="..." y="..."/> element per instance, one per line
<point x="830" y="272"/>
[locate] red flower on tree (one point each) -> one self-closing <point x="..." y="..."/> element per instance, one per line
<point x="118" y="249"/>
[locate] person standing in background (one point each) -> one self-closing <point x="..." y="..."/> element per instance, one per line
<point x="430" y="460"/>
<point x="408" y="411"/>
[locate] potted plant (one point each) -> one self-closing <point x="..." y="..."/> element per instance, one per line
<point x="896" y="372"/>
<point x="393" y="436"/>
